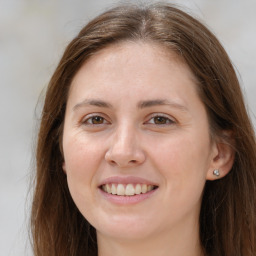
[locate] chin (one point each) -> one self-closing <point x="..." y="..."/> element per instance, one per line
<point x="125" y="228"/>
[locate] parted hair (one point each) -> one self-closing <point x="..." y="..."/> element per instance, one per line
<point x="228" y="211"/>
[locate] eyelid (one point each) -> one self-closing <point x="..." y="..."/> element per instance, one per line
<point x="172" y="120"/>
<point x="89" y="116"/>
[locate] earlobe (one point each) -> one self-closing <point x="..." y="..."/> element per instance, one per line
<point x="222" y="161"/>
<point x="64" y="167"/>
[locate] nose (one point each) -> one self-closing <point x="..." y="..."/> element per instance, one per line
<point x="124" y="150"/>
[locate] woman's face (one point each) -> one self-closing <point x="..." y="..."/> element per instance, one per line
<point x="136" y="142"/>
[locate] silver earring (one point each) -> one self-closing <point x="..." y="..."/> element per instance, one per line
<point x="216" y="172"/>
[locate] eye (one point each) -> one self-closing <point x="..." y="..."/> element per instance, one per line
<point x="95" y="120"/>
<point x="160" y="120"/>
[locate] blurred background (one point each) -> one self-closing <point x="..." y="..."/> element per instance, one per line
<point x="33" y="35"/>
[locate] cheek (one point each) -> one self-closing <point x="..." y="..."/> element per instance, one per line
<point x="181" y="153"/>
<point x="81" y="157"/>
<point x="183" y="161"/>
<point x="81" y="163"/>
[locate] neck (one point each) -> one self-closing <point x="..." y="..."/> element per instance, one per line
<point x="164" y="244"/>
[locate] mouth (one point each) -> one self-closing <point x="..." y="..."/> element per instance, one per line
<point x="128" y="190"/>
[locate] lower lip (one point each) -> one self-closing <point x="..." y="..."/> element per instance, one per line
<point x="126" y="200"/>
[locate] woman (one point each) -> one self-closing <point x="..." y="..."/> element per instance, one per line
<point x="145" y="145"/>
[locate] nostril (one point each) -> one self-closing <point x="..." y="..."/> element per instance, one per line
<point x="129" y="162"/>
<point x="112" y="162"/>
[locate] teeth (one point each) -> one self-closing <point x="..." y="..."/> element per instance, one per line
<point x="144" y="189"/>
<point x="108" y="188"/>
<point x="127" y="190"/>
<point x="120" y="190"/>
<point x="104" y="188"/>
<point x="138" y="189"/>
<point x="113" y="189"/>
<point x="149" y="188"/>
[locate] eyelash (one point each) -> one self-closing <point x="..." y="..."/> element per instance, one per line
<point x="94" y="116"/>
<point x="165" y="119"/>
<point x="168" y="120"/>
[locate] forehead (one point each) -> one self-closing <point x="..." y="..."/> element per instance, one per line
<point x="124" y="75"/>
<point x="130" y="62"/>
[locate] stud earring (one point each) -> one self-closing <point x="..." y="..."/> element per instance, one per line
<point x="216" y="172"/>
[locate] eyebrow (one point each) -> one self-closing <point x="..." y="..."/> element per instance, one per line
<point x="92" y="102"/>
<point x="140" y="105"/>
<point x="161" y="102"/>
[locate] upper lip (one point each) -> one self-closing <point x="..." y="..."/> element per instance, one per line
<point x="127" y="180"/>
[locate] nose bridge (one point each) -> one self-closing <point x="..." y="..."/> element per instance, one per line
<point x="125" y="148"/>
<point x="125" y="137"/>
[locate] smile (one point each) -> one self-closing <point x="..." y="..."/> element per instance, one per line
<point x="127" y="189"/>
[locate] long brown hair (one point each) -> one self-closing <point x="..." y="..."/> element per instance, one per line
<point x="228" y="212"/>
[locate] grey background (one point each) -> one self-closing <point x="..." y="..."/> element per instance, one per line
<point x="33" y="35"/>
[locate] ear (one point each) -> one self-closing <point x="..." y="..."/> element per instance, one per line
<point x="223" y="156"/>
<point x="64" y="167"/>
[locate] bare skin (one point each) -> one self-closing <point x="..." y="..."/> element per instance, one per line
<point x="134" y="116"/>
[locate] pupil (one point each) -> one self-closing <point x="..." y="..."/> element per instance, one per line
<point x="97" y="120"/>
<point x="160" y="120"/>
